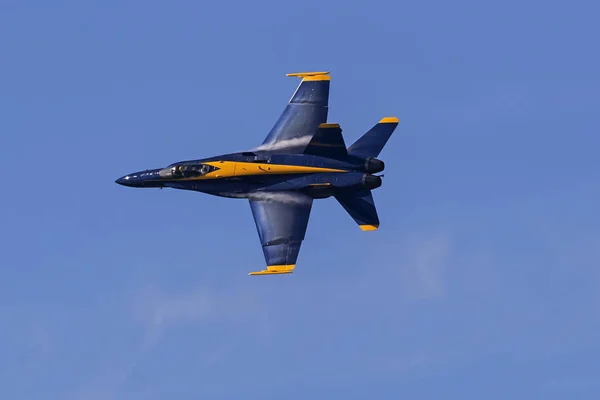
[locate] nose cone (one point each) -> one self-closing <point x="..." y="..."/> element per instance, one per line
<point x="124" y="180"/>
<point x="143" y="179"/>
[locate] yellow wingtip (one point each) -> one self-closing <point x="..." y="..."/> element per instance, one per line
<point x="303" y="74"/>
<point x="312" y="76"/>
<point x="275" y="269"/>
<point x="389" y="120"/>
<point x="369" y="227"/>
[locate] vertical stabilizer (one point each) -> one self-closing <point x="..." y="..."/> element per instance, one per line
<point x="372" y="142"/>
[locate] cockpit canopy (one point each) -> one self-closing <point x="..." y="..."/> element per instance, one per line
<point x="177" y="171"/>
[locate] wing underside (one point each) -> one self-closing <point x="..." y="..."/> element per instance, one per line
<point x="281" y="220"/>
<point x="305" y="111"/>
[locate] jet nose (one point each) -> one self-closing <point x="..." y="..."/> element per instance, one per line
<point x="124" y="180"/>
<point x="143" y="179"/>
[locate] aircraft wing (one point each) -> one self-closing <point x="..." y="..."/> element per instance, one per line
<point x="301" y="117"/>
<point x="281" y="219"/>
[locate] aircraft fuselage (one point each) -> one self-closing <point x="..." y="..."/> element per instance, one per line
<point x="241" y="175"/>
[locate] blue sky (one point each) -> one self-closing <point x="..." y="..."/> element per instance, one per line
<point x="482" y="281"/>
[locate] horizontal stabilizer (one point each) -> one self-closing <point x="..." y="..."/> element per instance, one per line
<point x="372" y="142"/>
<point x="361" y="207"/>
<point x="327" y="142"/>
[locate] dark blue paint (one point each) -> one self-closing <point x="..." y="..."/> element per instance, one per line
<point x="281" y="226"/>
<point x="327" y="142"/>
<point x="306" y="110"/>
<point x="281" y="204"/>
<point x="372" y="142"/>
<point x="360" y="205"/>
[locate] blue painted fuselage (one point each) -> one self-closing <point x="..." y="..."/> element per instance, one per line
<point x="315" y="176"/>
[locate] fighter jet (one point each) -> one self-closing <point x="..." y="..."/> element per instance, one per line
<point x="303" y="158"/>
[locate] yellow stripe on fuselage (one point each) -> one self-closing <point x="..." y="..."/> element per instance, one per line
<point x="229" y="169"/>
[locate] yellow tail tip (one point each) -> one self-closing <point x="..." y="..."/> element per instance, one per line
<point x="327" y="125"/>
<point x="275" y="269"/>
<point x="312" y="76"/>
<point x="389" y="120"/>
<point x="369" y="227"/>
<point x="303" y="74"/>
